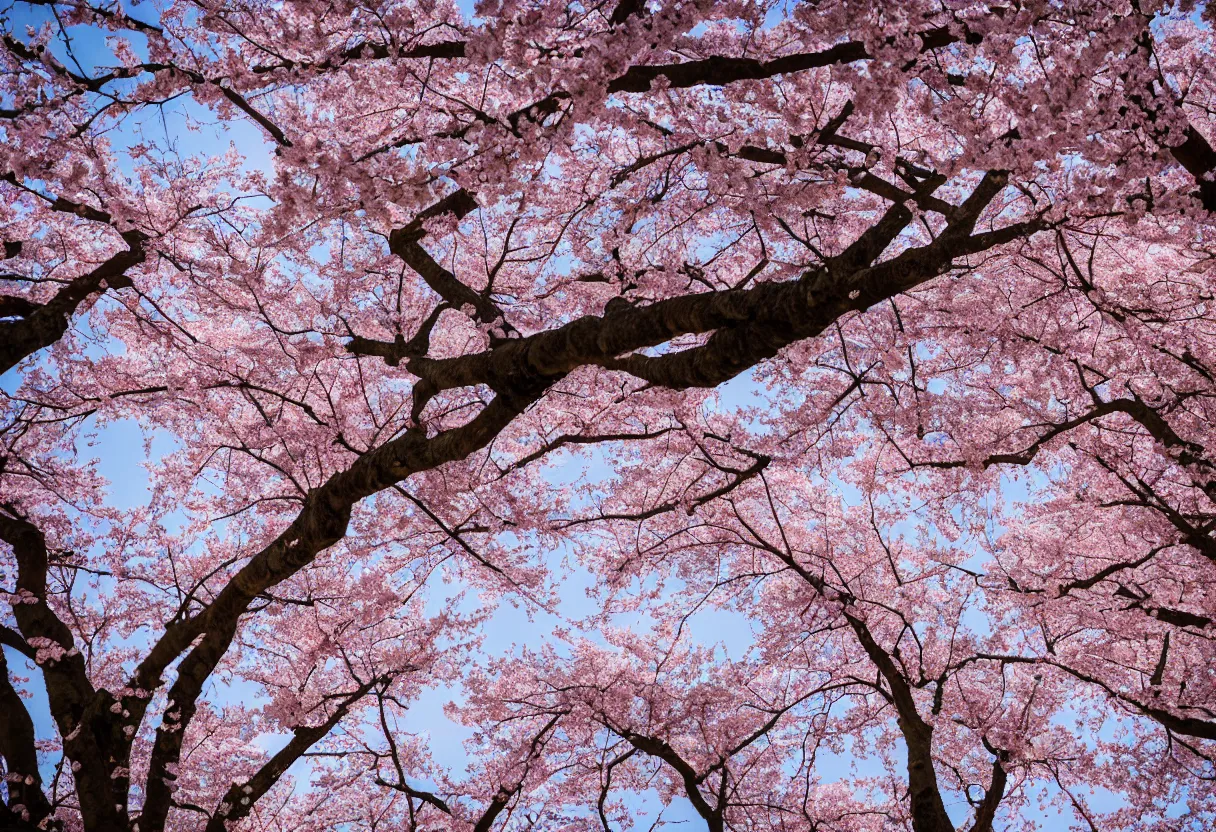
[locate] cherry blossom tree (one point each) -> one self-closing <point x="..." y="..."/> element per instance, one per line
<point x="884" y="330"/>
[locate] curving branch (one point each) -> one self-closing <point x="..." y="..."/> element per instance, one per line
<point x="240" y="798"/>
<point x="38" y="326"/>
<point x="90" y="736"/>
<point x="26" y="801"/>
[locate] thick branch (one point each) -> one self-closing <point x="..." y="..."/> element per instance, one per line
<point x="986" y="812"/>
<point x="321" y="523"/>
<point x="928" y="810"/>
<point x="44" y="324"/>
<point x="720" y="70"/>
<point x="1185" y="725"/>
<point x="406" y="243"/>
<point x="25" y="800"/>
<point x="660" y="749"/>
<point x="240" y="798"/>
<point x="502" y="797"/>
<point x="80" y="713"/>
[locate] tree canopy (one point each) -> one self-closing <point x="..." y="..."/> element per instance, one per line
<point x="883" y="330"/>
